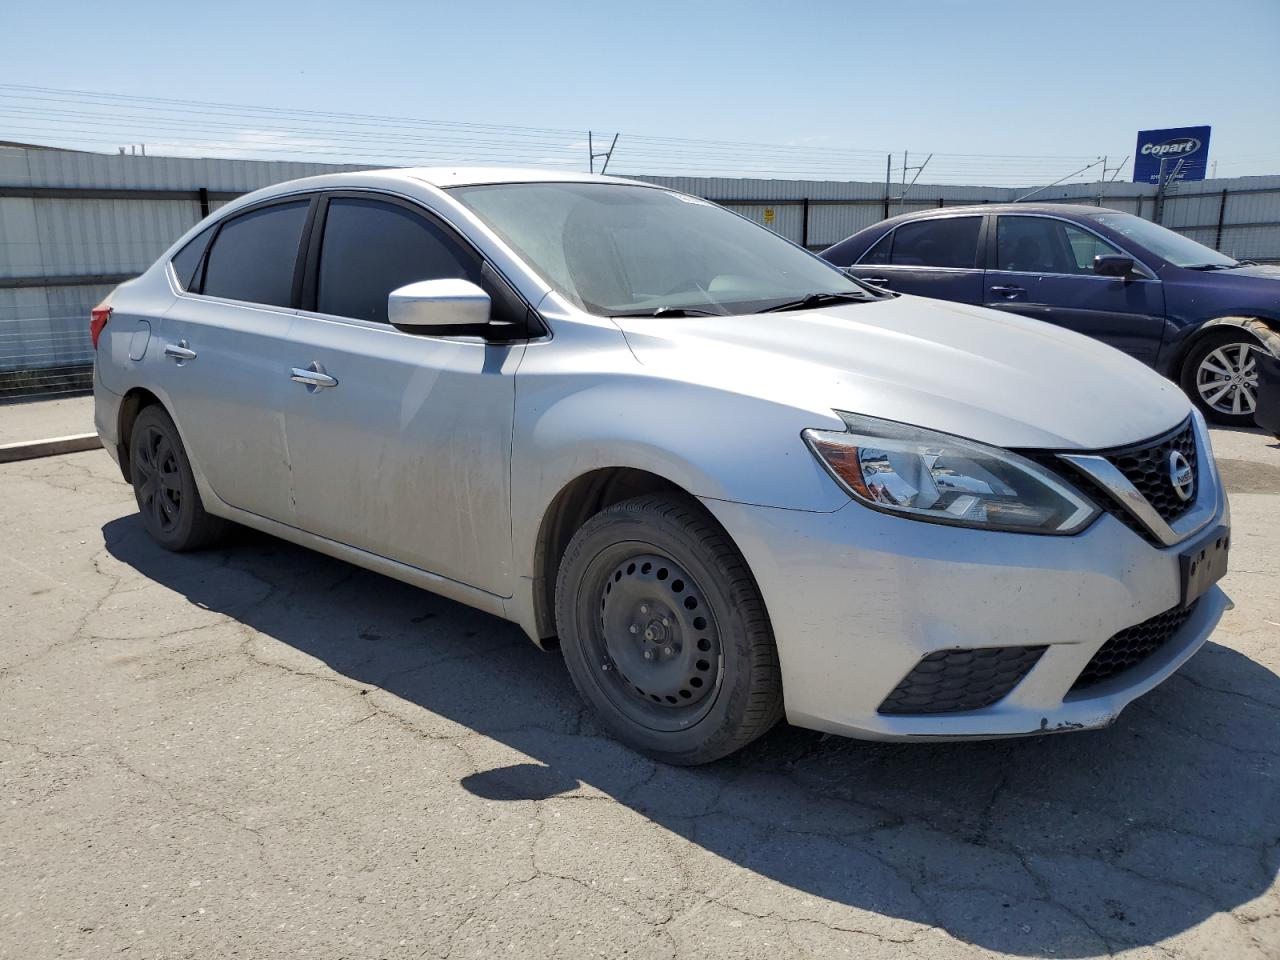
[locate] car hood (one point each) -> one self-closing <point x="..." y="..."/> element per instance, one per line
<point x="1265" y="271"/>
<point x="969" y="371"/>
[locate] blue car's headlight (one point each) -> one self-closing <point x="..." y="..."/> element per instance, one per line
<point x="933" y="476"/>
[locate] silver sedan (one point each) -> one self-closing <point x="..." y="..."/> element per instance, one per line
<point x="729" y="482"/>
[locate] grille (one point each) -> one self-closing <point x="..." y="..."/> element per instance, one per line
<point x="1132" y="645"/>
<point x="948" y="681"/>
<point x="1147" y="467"/>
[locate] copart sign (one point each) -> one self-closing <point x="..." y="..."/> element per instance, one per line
<point x="1188" y="145"/>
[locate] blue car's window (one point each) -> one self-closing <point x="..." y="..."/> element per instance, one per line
<point x="1164" y="243"/>
<point x="1085" y="246"/>
<point x="879" y="254"/>
<point x="944" y="242"/>
<point x="1027" y="244"/>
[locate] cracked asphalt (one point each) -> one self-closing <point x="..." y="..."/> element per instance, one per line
<point x="261" y="752"/>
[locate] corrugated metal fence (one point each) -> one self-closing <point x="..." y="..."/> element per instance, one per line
<point x="73" y="225"/>
<point x="1240" y="216"/>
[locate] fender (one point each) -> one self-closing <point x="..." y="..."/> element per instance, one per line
<point x="1266" y="331"/>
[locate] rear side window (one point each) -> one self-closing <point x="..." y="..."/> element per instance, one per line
<point x="1040" y="245"/>
<point x="187" y="261"/>
<point x="371" y="248"/>
<point x="878" y="255"/>
<point x="254" y="255"/>
<point x="945" y="242"/>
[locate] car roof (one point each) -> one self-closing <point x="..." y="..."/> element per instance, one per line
<point x="465" y="176"/>
<point x="411" y="178"/>
<point x="470" y="176"/>
<point x="1058" y="209"/>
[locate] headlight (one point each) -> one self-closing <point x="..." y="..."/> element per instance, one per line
<point x="934" y="476"/>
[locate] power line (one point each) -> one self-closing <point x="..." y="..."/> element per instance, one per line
<point x="94" y="117"/>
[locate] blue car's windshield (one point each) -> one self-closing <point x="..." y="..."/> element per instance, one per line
<point x="615" y="249"/>
<point x="1164" y="243"/>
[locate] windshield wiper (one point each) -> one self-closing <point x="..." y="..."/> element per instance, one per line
<point x="817" y="299"/>
<point x="671" y="312"/>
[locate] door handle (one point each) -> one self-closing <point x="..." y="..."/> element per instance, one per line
<point x="313" y="376"/>
<point x="1008" y="291"/>
<point x="180" y="351"/>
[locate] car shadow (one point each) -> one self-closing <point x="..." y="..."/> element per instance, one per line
<point x="1068" y="845"/>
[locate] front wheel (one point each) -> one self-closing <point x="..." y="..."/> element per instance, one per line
<point x="1221" y="375"/>
<point x="664" y="631"/>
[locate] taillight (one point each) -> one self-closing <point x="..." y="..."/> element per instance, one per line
<point x="98" y="318"/>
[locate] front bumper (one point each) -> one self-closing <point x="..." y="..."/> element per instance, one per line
<point x="857" y="598"/>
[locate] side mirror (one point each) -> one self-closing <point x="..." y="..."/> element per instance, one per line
<point x="1113" y="265"/>
<point x="430" y="304"/>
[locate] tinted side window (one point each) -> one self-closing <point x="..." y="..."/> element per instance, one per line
<point x="187" y="260"/>
<point x="370" y="248"/>
<point x="1041" y="245"/>
<point x="1085" y="246"/>
<point x="254" y="255"/>
<point x="947" y="242"/>
<point x="878" y="254"/>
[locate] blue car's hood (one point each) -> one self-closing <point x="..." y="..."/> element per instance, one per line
<point x="1267" y="271"/>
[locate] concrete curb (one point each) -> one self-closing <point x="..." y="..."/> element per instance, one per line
<point x="31" y="449"/>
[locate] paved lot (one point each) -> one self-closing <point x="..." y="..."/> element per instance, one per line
<point x="260" y="752"/>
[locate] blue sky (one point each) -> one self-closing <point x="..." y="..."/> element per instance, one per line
<point x="996" y="77"/>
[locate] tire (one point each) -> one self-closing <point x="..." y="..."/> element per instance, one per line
<point x="165" y="487"/>
<point x="664" y="631"/>
<point x="1220" y="375"/>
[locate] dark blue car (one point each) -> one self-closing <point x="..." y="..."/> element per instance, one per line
<point x="1197" y="316"/>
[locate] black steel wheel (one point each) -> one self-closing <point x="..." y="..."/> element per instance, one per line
<point x="165" y="487"/>
<point x="664" y="631"/>
<point x="657" y="643"/>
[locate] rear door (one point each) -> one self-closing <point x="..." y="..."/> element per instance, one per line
<point x="1042" y="267"/>
<point x="937" y="257"/>
<point x="407" y="454"/>
<point x="224" y="351"/>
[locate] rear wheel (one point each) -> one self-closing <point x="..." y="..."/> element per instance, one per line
<point x="165" y="487"/>
<point x="1221" y="373"/>
<point x="664" y="631"/>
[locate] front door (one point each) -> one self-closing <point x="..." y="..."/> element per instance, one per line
<point x="407" y="454"/>
<point x="222" y="357"/>
<point x="937" y="257"/>
<point x="1043" y="268"/>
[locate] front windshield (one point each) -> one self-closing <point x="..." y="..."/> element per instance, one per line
<point x="616" y="249"/>
<point x="1164" y="243"/>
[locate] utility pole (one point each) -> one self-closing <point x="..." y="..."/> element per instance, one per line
<point x="1109" y="173"/>
<point x="592" y="155"/>
<point x="888" y="178"/>
<point x="1162" y="186"/>
<point x="906" y="187"/>
<point x="1113" y="171"/>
